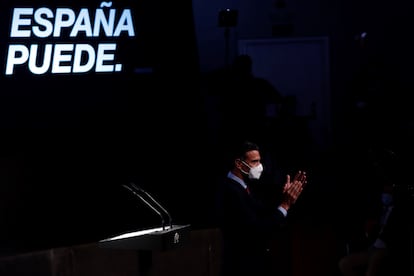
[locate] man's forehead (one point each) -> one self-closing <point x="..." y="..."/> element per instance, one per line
<point x="253" y="155"/>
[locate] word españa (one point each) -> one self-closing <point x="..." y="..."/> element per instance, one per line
<point x="56" y="58"/>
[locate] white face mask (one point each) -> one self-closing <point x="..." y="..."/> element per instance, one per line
<point x="254" y="172"/>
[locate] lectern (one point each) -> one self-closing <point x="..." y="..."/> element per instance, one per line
<point x="146" y="241"/>
<point x="159" y="239"/>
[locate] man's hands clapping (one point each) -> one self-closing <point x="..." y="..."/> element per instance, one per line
<point x="293" y="189"/>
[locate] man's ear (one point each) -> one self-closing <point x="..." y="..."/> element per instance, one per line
<point x="238" y="163"/>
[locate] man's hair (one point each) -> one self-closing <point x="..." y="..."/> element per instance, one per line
<point x="240" y="149"/>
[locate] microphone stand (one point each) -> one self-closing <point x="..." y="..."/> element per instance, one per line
<point x="149" y="204"/>
<point x="139" y="189"/>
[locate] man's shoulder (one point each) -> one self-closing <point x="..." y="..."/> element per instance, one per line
<point x="229" y="185"/>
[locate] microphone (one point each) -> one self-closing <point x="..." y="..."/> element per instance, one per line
<point x="149" y="204"/>
<point x="136" y="187"/>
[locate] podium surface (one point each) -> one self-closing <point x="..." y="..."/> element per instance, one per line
<point x="159" y="239"/>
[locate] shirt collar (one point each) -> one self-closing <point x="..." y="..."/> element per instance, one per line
<point x="237" y="179"/>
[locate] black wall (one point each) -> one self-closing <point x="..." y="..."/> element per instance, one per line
<point x="68" y="142"/>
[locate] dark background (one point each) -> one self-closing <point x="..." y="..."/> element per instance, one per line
<point x="68" y="142"/>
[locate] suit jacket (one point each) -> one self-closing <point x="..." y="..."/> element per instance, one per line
<point x="247" y="227"/>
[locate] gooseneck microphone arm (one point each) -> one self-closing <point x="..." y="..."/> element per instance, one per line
<point x="139" y="189"/>
<point x="149" y="204"/>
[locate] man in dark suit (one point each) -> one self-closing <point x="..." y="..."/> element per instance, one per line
<point x="247" y="224"/>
